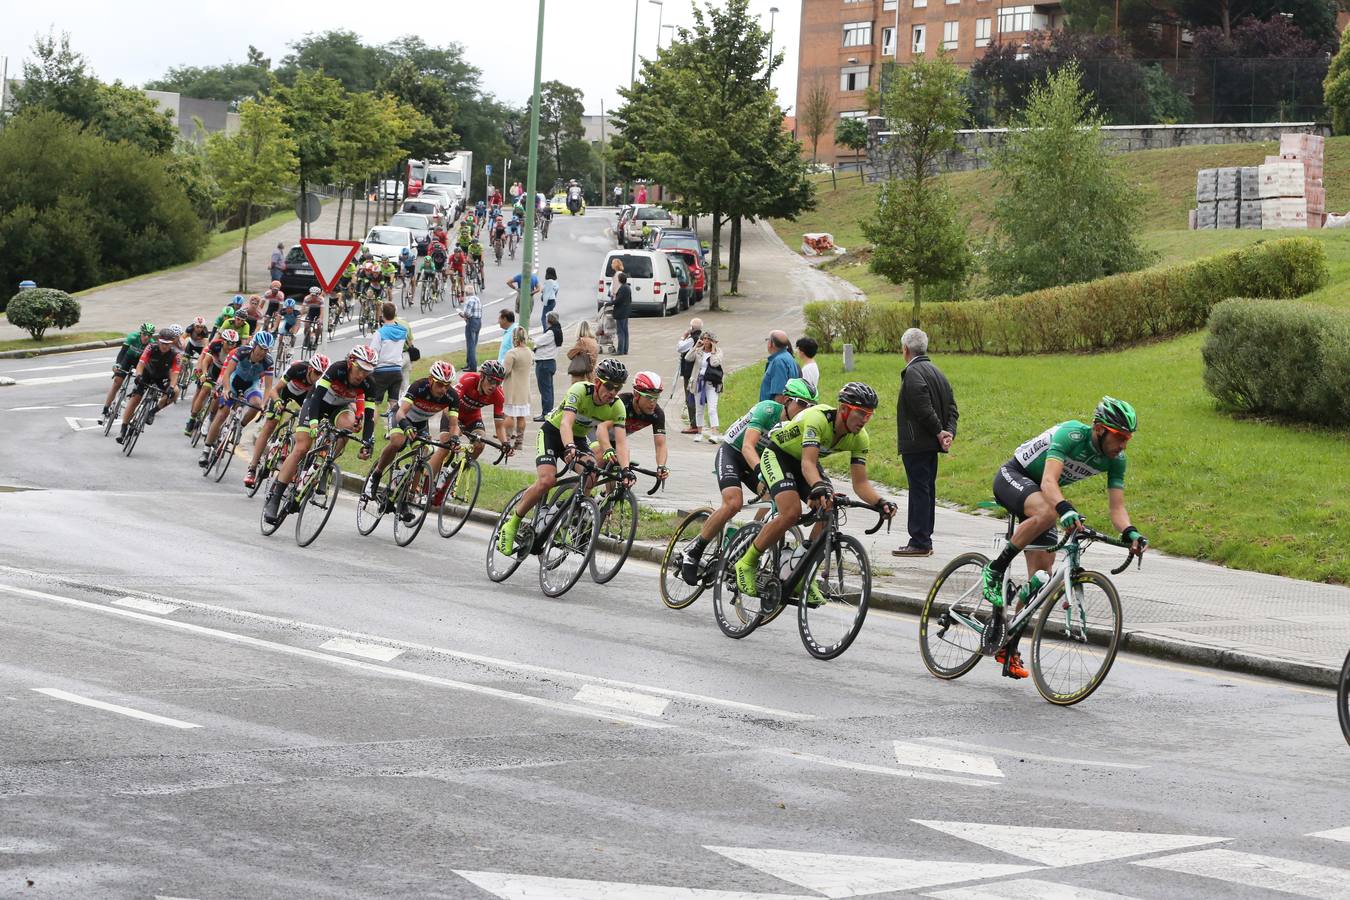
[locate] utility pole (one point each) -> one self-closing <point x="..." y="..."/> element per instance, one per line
<point x="527" y="265"/>
<point x="604" y="192"/>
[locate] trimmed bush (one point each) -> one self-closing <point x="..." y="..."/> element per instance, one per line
<point x="1108" y="313"/>
<point x="1284" y="359"/>
<point x="37" y="309"/>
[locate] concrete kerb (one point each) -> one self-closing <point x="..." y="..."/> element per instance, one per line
<point x="64" y="348"/>
<point x="1142" y="643"/>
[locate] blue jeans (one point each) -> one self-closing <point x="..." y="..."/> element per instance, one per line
<point x="471" y="327"/>
<point x="543" y="316"/>
<point x="621" y="325"/>
<point x="544" y="370"/>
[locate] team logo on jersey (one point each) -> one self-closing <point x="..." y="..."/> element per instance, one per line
<point x="1075" y="435"/>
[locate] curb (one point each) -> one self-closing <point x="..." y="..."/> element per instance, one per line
<point x="64" y="348"/>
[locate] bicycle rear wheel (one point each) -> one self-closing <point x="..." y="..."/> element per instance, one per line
<point x="319" y="499"/>
<point x="1076" y="640"/>
<point x="1343" y="699"/>
<point x="675" y="592"/>
<point x="568" y="547"/>
<point x="134" y="429"/>
<point x="500" y="566"/>
<point x="618" y="527"/>
<point x="843" y="575"/>
<point x="225" y="447"/>
<point x="460" y="496"/>
<point x="737" y="614"/>
<point x="266" y="527"/>
<point x="949" y="645"/>
<point x="410" y="509"/>
<point x="369" y="511"/>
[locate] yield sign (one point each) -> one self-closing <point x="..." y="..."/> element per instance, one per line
<point x="328" y="258"/>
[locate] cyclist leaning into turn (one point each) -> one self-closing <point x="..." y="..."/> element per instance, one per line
<point x="132" y="347"/>
<point x="642" y="409"/>
<point x="245" y="378"/>
<point x="425" y="399"/>
<point x="292" y="387"/>
<point x="157" y="366"/>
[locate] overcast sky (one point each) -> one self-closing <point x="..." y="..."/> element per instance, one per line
<point x="587" y="44"/>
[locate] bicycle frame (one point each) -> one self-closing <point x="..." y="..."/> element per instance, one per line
<point x="824" y="542"/>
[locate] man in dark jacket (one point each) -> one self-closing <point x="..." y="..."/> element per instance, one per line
<point x="925" y="423"/>
<point x="623" y="308"/>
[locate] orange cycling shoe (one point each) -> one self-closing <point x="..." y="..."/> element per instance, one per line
<point x="1013" y="669"/>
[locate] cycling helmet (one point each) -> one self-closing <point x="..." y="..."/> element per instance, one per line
<point x="611" y="371"/>
<point x="362" y="357"/>
<point x="276" y="285"/>
<point x="647" y="383"/>
<point x="800" y="389"/>
<point x="229" y="336"/>
<point x="855" y="393"/>
<point x="199" y="322"/>
<point x="166" y="336"/>
<point x="405" y="252"/>
<point x="315" y="290"/>
<point x="319" y="363"/>
<point x="442" y="371"/>
<point x="176" y="329"/>
<point x="264" y="339"/>
<point x="1116" y="415"/>
<point x="290" y="303"/>
<point x="238" y="300"/>
<point x="147" y="328"/>
<point x="492" y="369"/>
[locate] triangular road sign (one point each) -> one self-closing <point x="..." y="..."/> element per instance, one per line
<point x="1066" y="846"/>
<point x="328" y="258"/>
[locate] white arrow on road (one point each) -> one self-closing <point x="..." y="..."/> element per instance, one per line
<point x="535" y="887"/>
<point x="1066" y="846"/>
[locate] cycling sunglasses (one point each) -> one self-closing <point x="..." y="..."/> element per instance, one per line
<point x="613" y="385"/>
<point x="849" y="408"/>
<point x="1123" y="435"/>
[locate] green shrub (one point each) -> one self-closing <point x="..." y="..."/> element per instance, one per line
<point x="1285" y="359"/>
<point x="37" y="309"/>
<point x="1107" y="313"/>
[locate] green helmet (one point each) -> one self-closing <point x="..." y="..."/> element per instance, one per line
<point x="800" y="389"/>
<point x="1116" y="414"/>
<point x="147" y="328"/>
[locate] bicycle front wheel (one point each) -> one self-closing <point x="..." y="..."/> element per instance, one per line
<point x="460" y="496"/>
<point x="500" y="566"/>
<point x="618" y="527"/>
<point x="568" y="547"/>
<point x="675" y="592"/>
<point x="228" y="441"/>
<point x="410" y="509"/>
<point x="318" y="500"/>
<point x="134" y="431"/>
<point x="1076" y="640"/>
<point x="737" y="614"/>
<point x="953" y="614"/>
<point x="370" y="510"/>
<point x="830" y="617"/>
<point x="1343" y="699"/>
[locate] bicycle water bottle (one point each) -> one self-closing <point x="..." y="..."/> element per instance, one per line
<point x="1029" y="589"/>
<point x="786" y="568"/>
<point x="729" y="534"/>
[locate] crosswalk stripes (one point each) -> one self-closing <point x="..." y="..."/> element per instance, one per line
<point x="1066" y="846"/>
<point x="925" y="757"/>
<point x="539" y="887"/>
<point x="1026" y="889"/>
<point x="1254" y="871"/>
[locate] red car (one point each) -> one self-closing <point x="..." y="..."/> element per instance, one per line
<point x="695" y="264"/>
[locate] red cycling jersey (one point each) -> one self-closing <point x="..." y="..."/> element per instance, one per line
<point x="472" y="401"/>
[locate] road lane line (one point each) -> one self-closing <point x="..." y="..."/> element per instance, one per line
<point x="84" y="362"/>
<point x="58" y="694"/>
<point x="876" y="770"/>
<point x="1026" y="889"/>
<point x="154" y="607"/>
<point x="1065" y="846"/>
<point x="359" y="648"/>
<point x="1265" y="872"/>
<point x="60" y="379"/>
<point x="27" y="408"/>
<point x="628" y="701"/>
<point x="305" y="653"/>
<point x="1335" y="834"/>
<point x="1021" y="754"/>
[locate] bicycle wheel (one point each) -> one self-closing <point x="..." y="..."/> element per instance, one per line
<point x="950" y="646"/>
<point x="134" y="430"/>
<point x="499" y="566"/>
<point x="369" y="511"/>
<point x="675" y="593"/>
<point x="618" y="527"/>
<point x="225" y="446"/>
<point x="115" y="410"/>
<point x="460" y="496"/>
<point x="319" y="499"/>
<point x="568" y="547"/>
<point x="843" y="575"/>
<point x="736" y="614"/>
<point x="266" y="527"/>
<point x="1076" y="639"/>
<point x="410" y="509"/>
<point x="1343" y="699"/>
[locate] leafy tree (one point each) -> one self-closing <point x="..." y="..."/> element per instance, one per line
<point x="1314" y="18"/>
<point x="814" y="113"/>
<point x="433" y="131"/>
<point x="38" y="309"/>
<point x="57" y="78"/>
<point x="853" y="134"/>
<point x="337" y="53"/>
<point x="232" y="82"/>
<point x="560" y="112"/>
<point x="1336" y="88"/>
<point x="1255" y="69"/>
<point x="254" y="165"/>
<point x="189" y="167"/>
<point x="127" y="114"/>
<point x="916" y="232"/>
<point x="370" y="138"/>
<point x="1066" y="212"/>
<point x="311" y="105"/>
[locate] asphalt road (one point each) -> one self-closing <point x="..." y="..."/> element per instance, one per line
<point x="193" y="710"/>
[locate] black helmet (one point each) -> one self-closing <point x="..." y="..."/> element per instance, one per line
<point x="855" y="393"/>
<point x="492" y="369"/>
<point x="611" y="371"/>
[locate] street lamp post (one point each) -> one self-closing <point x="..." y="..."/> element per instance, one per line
<point x="527" y="265"/>
<point x="773" y="11"/>
<point x="660" y="15"/>
<point x="671" y="29"/>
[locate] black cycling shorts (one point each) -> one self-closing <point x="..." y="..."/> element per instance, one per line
<point x="1012" y="487"/>
<point x="272" y="307"/>
<point x="126" y="358"/>
<point x="312" y="313"/>
<point x="142" y="384"/>
<point x="315" y="408"/>
<point x="550" y="448"/>
<point x="384" y="384"/>
<point x="732" y="470"/>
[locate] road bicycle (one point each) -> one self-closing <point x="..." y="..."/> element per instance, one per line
<point x="231" y="433"/>
<point x="143" y="416"/>
<point x="337" y="310"/>
<point x="512" y="243"/>
<point x="498" y="245"/>
<point x="185" y="375"/>
<point x="404" y="489"/>
<point x="543" y="229"/>
<point x="1075" y="617"/>
<point x="315" y="490"/>
<point x="285" y="344"/>
<point x="1343" y="699"/>
<point x="458" y="484"/>
<point x="618" y="520"/>
<point x="119" y="400"/>
<point x="476" y="275"/>
<point x="274" y="454"/>
<point x="369" y="317"/>
<point x="430" y="290"/>
<point x="835" y="563"/>
<point x="405" y="291"/>
<point x="208" y="412"/>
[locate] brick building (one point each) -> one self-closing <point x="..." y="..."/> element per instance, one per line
<point x="845" y="42"/>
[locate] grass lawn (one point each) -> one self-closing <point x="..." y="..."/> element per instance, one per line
<point x="1243" y="492"/>
<point x="60" y="339"/>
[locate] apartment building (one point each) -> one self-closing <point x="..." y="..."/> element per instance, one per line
<point x="845" y="42"/>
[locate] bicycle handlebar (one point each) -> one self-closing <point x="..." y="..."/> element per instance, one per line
<point x="1091" y="535"/>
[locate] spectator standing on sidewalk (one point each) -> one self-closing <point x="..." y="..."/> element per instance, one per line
<point x="806" y="358"/>
<point x="549" y="298"/>
<point x="514" y="284"/>
<point x="687" y="342"/>
<point x="707" y="360"/>
<point x="471" y="311"/>
<point x="516" y="387"/>
<point x="925" y="425"/>
<point x="507" y="320"/>
<point x="780" y="368"/>
<point x="581" y="358"/>
<point x="546" y="363"/>
<point x="623" y="308"/>
<point x="278" y="265"/>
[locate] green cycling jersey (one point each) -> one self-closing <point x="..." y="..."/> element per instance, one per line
<point x="763" y="417"/>
<point x="1071" y="443"/>
<point x="580" y="399"/>
<point x="814" y="427"/>
<point x="135" y="341"/>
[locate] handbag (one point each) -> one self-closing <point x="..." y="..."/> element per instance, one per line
<point x="713" y="375"/>
<point x="414" y="354"/>
<point x="580" y="364"/>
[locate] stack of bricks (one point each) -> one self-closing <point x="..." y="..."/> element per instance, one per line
<point x="1310" y="151"/>
<point x="1218" y="198"/>
<point x="1285" y="192"/>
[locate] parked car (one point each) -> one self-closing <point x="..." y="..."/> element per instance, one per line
<point x="391" y="189"/>
<point x="624" y="214"/>
<point x="425" y="205"/>
<point x="678" y="238"/>
<point x="299" y="275"/>
<point x="686" y="279"/>
<point x="389" y="241"/>
<point x="651" y="276"/>
<point x="417" y="223"/>
<point x="654" y="216"/>
<point x="694" y="263"/>
<point x="442" y="195"/>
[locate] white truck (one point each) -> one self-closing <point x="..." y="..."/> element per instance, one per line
<point x="456" y="173"/>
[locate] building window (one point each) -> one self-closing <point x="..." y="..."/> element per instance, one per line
<point x="953" y="2"/>
<point x="853" y="78"/>
<point x="919" y="32"/>
<point x="982" y="32"/>
<point x="950" y="33"/>
<point x="888" y="42"/>
<point x="890" y="4"/>
<point x="853" y="114"/>
<point x="857" y="34"/>
<point x="920" y="4"/>
<point x="1014" y="18"/>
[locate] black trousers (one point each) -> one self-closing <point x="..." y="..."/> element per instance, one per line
<point x="921" y="470"/>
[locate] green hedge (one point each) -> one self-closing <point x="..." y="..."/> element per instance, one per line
<point x="38" y="309"/>
<point x="1111" y="312"/>
<point x="1284" y="359"/>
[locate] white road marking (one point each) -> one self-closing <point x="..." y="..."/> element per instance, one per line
<point x="849" y="876"/>
<point x="908" y="754"/>
<point x="877" y="770"/>
<point x="61" y="379"/>
<point x="305" y="653"/>
<point x="83" y="405"/>
<point x="360" y="648"/>
<point x="154" y="607"/>
<point x="108" y="360"/>
<point x="112" y="707"/>
<point x="628" y="701"/>
<point x="1335" y="834"/>
<point x="27" y="408"/>
<point x="1265" y="872"/>
<point x="76" y="423"/>
<point x="539" y="887"/>
<point x="1065" y="846"/>
<point x="1026" y="889"/>
<point x="1021" y="754"/>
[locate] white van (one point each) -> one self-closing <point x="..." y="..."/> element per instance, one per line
<point x="655" y="286"/>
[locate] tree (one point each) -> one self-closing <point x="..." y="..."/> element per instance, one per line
<point x="1336" y="88"/>
<point x="1066" y="212"/>
<point x="337" y="53"/>
<point x="369" y="141"/>
<point x="127" y="114"/>
<point x="916" y="233"/>
<point x="57" y="79"/>
<point x="312" y="104"/>
<point x="1314" y="18"/>
<point x="254" y="165"/>
<point x="814" y="113"/>
<point x="853" y="134"/>
<point x="232" y="82"/>
<point x="38" y="309"/>
<point x="560" y="112"/>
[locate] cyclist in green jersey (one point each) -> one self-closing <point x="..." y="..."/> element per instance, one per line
<point x="790" y="466"/>
<point x="564" y="434"/>
<point x="737" y="463"/>
<point x="1029" y="487"/>
<point x="127" y="356"/>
